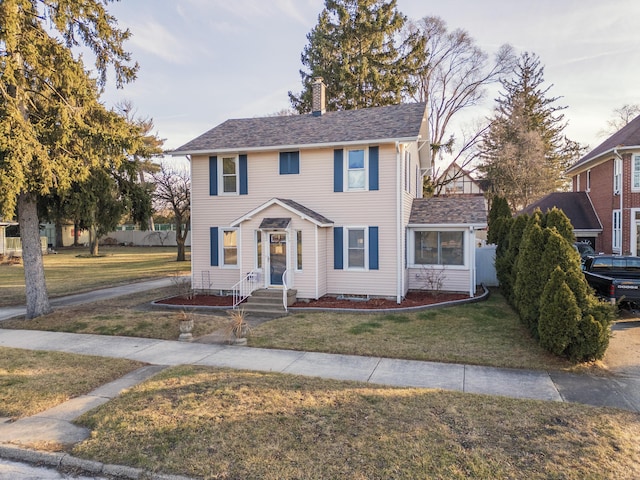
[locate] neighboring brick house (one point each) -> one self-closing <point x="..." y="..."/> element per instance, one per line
<point x="610" y="176"/>
<point x="323" y="203"/>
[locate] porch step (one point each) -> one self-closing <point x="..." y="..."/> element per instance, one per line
<point x="268" y="302"/>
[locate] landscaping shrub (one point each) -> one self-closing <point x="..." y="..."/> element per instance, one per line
<point x="529" y="280"/>
<point x="559" y="314"/>
<point x="557" y="218"/>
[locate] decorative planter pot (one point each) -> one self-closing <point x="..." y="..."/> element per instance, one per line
<point x="185" y="330"/>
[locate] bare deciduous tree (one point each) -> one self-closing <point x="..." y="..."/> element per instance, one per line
<point x="621" y="116"/>
<point x="454" y="78"/>
<point x="173" y="192"/>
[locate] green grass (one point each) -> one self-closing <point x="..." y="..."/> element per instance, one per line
<point x="221" y="424"/>
<point x="73" y="271"/>
<point x="485" y="333"/>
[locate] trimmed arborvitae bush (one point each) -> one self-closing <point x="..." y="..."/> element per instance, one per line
<point x="499" y="211"/>
<point x="558" y="252"/>
<point x="529" y="280"/>
<point x="559" y="314"/>
<point x="557" y="218"/>
<point x="506" y="261"/>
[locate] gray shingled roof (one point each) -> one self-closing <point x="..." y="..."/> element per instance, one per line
<point x="368" y="124"/>
<point x="454" y="210"/>
<point x="575" y="205"/>
<point x="627" y="136"/>
<point x="305" y="211"/>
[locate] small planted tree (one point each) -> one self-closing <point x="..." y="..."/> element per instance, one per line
<point x="557" y="218"/>
<point x="496" y="221"/>
<point x="559" y="314"/>
<point x="529" y="281"/>
<point x="506" y="262"/>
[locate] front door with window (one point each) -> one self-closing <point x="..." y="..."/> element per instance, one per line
<point x="277" y="258"/>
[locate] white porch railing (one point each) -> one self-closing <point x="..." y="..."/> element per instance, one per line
<point x="284" y="290"/>
<point x="243" y="289"/>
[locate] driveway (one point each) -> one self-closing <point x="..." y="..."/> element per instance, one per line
<point x="623" y="354"/>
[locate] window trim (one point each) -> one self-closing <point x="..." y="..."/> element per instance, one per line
<point x="616" y="231"/>
<point x="288" y="171"/>
<point x="412" y="248"/>
<point x="221" y="174"/>
<point x="365" y="169"/>
<point x="588" y="186"/>
<point x="617" y="176"/>
<point x="635" y="172"/>
<point x="221" y="248"/>
<point x="299" y="262"/>
<point x="259" y="254"/>
<point x="346" y="265"/>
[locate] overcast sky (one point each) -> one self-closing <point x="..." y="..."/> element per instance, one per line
<point x="205" y="61"/>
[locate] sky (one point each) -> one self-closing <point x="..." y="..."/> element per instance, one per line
<point x="205" y="61"/>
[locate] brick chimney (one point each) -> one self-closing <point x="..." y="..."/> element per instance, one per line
<point x="318" y="103"/>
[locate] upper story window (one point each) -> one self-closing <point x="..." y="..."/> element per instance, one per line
<point x="636" y="172"/>
<point x="617" y="175"/>
<point x="229" y="174"/>
<point x="577" y="183"/>
<point x="588" y="189"/>
<point x="289" y="163"/>
<point x="356" y="169"/>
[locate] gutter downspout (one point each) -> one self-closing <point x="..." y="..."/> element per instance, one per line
<point x="615" y="152"/>
<point x="399" y="249"/>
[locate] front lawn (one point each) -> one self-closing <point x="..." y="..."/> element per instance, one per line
<point x="221" y="424"/>
<point x="72" y="270"/>
<point x="34" y="381"/>
<point x="485" y="333"/>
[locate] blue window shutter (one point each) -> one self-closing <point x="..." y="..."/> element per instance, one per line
<point x="373" y="168"/>
<point x="213" y="175"/>
<point x="338" y="246"/>
<point x="338" y="171"/>
<point x="244" y="183"/>
<point x="213" y="239"/>
<point x="373" y="248"/>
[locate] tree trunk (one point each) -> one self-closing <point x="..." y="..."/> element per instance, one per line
<point x="76" y="234"/>
<point x="181" y="249"/>
<point x="93" y="241"/>
<point x="59" y="239"/>
<point x="36" y="287"/>
<point x="181" y="237"/>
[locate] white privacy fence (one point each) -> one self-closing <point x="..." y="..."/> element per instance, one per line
<point x="485" y="266"/>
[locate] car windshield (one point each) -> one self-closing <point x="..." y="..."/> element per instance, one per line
<point x="585" y="249"/>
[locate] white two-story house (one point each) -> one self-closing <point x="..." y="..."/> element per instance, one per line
<point x="324" y="203"/>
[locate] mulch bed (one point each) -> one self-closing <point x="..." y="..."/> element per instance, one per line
<point x="413" y="299"/>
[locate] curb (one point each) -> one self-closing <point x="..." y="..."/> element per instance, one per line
<point x="66" y="462"/>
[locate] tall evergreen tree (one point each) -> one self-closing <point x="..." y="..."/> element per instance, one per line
<point x="52" y="127"/>
<point x="496" y="221"/>
<point x="355" y="49"/>
<point x="525" y="151"/>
